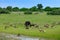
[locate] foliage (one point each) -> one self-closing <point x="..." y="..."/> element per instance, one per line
<point x="28" y="12"/>
<point x="4" y="12"/>
<point x="0" y="8"/>
<point x="39" y="6"/>
<point x="48" y="8"/>
<point x="55" y="8"/>
<point x="34" y="8"/>
<point x="15" y="9"/>
<point x="54" y="12"/>
<point x="9" y="8"/>
<point x="24" y="9"/>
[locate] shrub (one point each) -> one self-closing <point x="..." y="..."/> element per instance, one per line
<point x="4" y="12"/>
<point x="35" y="12"/>
<point x="54" y="12"/>
<point x="28" y="12"/>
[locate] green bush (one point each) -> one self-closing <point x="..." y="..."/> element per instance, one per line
<point x="54" y="12"/>
<point x="4" y="12"/>
<point x="28" y="12"/>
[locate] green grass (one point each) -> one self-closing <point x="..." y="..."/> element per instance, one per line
<point x="40" y="19"/>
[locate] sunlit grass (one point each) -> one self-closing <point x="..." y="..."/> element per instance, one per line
<point x="40" y="19"/>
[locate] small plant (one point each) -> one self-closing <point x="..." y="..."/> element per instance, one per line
<point x="54" y="12"/>
<point x="28" y="12"/>
<point x="4" y="12"/>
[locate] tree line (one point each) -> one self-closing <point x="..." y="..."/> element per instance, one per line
<point x="34" y="8"/>
<point x="38" y="7"/>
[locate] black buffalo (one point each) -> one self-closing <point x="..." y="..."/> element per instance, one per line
<point x="27" y="24"/>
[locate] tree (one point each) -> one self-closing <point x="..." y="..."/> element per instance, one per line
<point x="48" y="8"/>
<point x="4" y="8"/>
<point x="34" y="8"/>
<point x="9" y="8"/>
<point x="39" y="6"/>
<point x="55" y="8"/>
<point x="15" y="9"/>
<point x="0" y="8"/>
<point x="24" y="9"/>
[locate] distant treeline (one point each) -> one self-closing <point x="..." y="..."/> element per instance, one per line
<point x="39" y="7"/>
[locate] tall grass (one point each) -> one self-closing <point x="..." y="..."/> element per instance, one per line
<point x="40" y="19"/>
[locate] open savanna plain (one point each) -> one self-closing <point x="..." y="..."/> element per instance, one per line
<point x="41" y="19"/>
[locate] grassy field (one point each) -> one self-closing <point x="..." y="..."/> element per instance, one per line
<point x="40" y="19"/>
